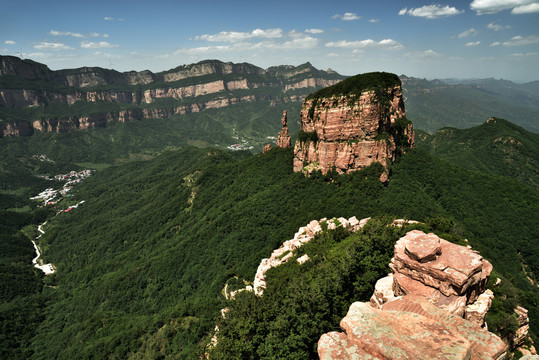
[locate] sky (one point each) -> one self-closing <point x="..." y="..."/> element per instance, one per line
<point x="427" y="39"/>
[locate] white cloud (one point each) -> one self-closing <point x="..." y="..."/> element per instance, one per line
<point x="314" y="31"/>
<point x="297" y="34"/>
<point x="497" y="27"/>
<point x="9" y="42"/>
<point x="97" y="45"/>
<point x="473" y="43"/>
<point x="526" y="9"/>
<point x="300" y="43"/>
<point x="467" y="33"/>
<point x="522" y="41"/>
<point x="348" y="16"/>
<point x="44" y="45"/>
<point x="368" y="43"/>
<point x="110" y="18"/>
<point x="431" y="53"/>
<point x="373" y="21"/>
<point x="495" y="6"/>
<point x="431" y="11"/>
<point x="94" y="34"/>
<point x="525" y="55"/>
<point x="236" y="36"/>
<point x="65" y="33"/>
<point x="76" y="35"/>
<point x="496" y="43"/>
<point x="107" y="55"/>
<point x="199" y="50"/>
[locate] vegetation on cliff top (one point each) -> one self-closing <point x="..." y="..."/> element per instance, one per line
<point x="357" y="84"/>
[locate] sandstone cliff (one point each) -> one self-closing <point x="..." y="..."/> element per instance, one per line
<point x="352" y="124"/>
<point x="209" y="84"/>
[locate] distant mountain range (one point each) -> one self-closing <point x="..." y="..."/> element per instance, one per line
<point x="34" y="98"/>
<point x="433" y="104"/>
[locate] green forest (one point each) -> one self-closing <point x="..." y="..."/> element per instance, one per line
<point x="142" y="263"/>
<point x="494" y="147"/>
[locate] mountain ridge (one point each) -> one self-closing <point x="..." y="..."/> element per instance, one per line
<point x="496" y="147"/>
<point x="434" y="104"/>
<point x="82" y="98"/>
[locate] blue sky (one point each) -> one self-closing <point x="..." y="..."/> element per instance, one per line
<point x="440" y="39"/>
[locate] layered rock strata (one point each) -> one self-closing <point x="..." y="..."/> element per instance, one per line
<point x="347" y="129"/>
<point x="408" y="328"/>
<point x="431" y="307"/>
<point x="452" y="277"/>
<point x="191" y="88"/>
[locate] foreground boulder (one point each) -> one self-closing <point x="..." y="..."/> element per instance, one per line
<point x="408" y="328"/>
<point x="431" y="307"/>
<point x="451" y="276"/>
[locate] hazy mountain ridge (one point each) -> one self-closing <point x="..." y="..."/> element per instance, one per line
<point x="494" y="147"/>
<point x="433" y="104"/>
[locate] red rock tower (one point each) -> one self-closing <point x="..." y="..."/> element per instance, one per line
<point x="353" y="124"/>
<point x="283" y="139"/>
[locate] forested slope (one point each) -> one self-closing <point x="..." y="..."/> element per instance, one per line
<point x="142" y="263"/>
<point x="494" y="147"/>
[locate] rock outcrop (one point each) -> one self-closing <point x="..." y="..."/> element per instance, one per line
<point x="431" y="307"/>
<point x="452" y="277"/>
<point x="353" y="124"/>
<point x="408" y="328"/>
<point x="266" y="148"/>
<point x="15" y="128"/>
<point x="304" y="235"/>
<point x="523" y="326"/>
<point x="283" y="139"/>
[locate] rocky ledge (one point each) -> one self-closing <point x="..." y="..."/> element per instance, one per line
<point x="408" y="328"/>
<point x="431" y="307"/>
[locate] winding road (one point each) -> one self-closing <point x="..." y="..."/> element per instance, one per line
<point x="47" y="268"/>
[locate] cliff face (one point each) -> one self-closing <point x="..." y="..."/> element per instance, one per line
<point x="352" y="124"/>
<point x="16" y="128"/>
<point x="189" y="88"/>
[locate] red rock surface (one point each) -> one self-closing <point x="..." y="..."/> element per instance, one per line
<point x="352" y="132"/>
<point x="420" y="311"/>
<point x="455" y="270"/>
<point x="407" y="328"/>
<point x="283" y="139"/>
<point x="266" y="148"/>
